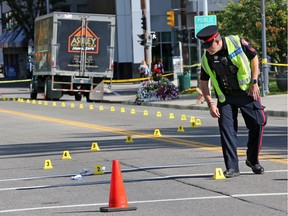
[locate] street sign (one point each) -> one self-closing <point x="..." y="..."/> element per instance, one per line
<point x="201" y="22"/>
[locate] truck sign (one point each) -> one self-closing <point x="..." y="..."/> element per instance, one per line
<point x="80" y="36"/>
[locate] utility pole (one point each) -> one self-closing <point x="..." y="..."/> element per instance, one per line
<point x="265" y="74"/>
<point x="47" y="7"/>
<point x="205" y="13"/>
<point x="198" y="69"/>
<point x="205" y="7"/>
<point x="146" y="48"/>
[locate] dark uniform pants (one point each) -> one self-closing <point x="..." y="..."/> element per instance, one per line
<point x="253" y="114"/>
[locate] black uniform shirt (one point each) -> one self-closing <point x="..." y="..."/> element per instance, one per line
<point x="225" y="70"/>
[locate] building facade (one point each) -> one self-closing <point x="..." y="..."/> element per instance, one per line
<point x="128" y="51"/>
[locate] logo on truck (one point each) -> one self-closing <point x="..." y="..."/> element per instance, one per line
<point x="83" y="38"/>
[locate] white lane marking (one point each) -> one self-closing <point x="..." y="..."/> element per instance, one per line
<point x="217" y="135"/>
<point x="144" y="201"/>
<point x="132" y="180"/>
<point x="23" y="188"/>
<point x="123" y="170"/>
<point x="210" y="197"/>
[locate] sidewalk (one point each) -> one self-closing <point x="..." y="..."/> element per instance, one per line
<point x="276" y="105"/>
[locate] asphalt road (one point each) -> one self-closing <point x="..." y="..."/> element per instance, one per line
<point x="163" y="175"/>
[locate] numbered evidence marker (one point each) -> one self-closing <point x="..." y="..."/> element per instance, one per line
<point x="193" y="122"/>
<point x="183" y="118"/>
<point x="198" y="122"/>
<point x="157" y="132"/>
<point x="218" y="174"/>
<point x="95" y="147"/>
<point x="180" y="129"/>
<point x="133" y="111"/>
<point x="171" y="116"/>
<point x="192" y="119"/>
<point x="48" y="164"/>
<point x="66" y="155"/>
<point x="98" y="170"/>
<point x="129" y="139"/>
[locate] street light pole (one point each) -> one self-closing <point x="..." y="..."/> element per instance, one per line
<point x="47" y="6"/>
<point x="146" y="48"/>
<point x="205" y="7"/>
<point x="205" y="13"/>
<point x="265" y="74"/>
<point x="198" y="69"/>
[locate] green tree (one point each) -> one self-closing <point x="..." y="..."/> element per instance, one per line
<point x="26" y="11"/>
<point x="244" y="19"/>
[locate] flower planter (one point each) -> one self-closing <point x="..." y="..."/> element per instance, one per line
<point x="152" y="90"/>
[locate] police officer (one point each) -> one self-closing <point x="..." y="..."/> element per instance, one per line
<point x="232" y="66"/>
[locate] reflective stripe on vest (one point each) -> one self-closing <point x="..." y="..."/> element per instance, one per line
<point x="239" y="59"/>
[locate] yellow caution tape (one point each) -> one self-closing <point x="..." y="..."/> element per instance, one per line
<point x="15" y="81"/>
<point x="264" y="61"/>
<point x="194" y="65"/>
<point x="276" y="64"/>
<point x="132" y="80"/>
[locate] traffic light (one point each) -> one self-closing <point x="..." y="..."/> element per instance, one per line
<point x="142" y="40"/>
<point x="186" y="36"/>
<point x="170" y="18"/>
<point x="182" y="36"/>
<point x="193" y="39"/>
<point x="144" y="23"/>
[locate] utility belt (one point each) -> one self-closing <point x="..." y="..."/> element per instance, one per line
<point x="234" y="92"/>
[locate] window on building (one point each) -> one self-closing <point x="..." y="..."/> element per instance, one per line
<point x="163" y="50"/>
<point x="82" y="8"/>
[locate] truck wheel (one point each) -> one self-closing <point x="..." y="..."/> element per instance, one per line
<point x="46" y="90"/>
<point x="33" y="92"/>
<point x="78" y="97"/>
<point x="33" y="95"/>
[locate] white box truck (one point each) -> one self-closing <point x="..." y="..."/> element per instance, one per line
<point x="73" y="54"/>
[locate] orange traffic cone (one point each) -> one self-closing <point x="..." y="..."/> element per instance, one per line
<point x="117" y="200"/>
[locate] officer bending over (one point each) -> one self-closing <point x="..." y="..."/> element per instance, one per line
<point x="232" y="66"/>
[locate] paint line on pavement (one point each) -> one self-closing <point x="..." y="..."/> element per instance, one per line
<point x="158" y="178"/>
<point x="167" y="139"/>
<point x="143" y="201"/>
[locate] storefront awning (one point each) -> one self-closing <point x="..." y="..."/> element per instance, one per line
<point x="13" y="38"/>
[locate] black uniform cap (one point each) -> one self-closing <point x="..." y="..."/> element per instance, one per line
<point x="207" y="35"/>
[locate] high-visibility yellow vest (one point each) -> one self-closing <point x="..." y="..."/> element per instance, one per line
<point x="239" y="59"/>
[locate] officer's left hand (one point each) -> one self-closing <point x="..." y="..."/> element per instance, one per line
<point x="254" y="91"/>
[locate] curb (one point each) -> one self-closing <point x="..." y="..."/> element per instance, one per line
<point x="190" y="107"/>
